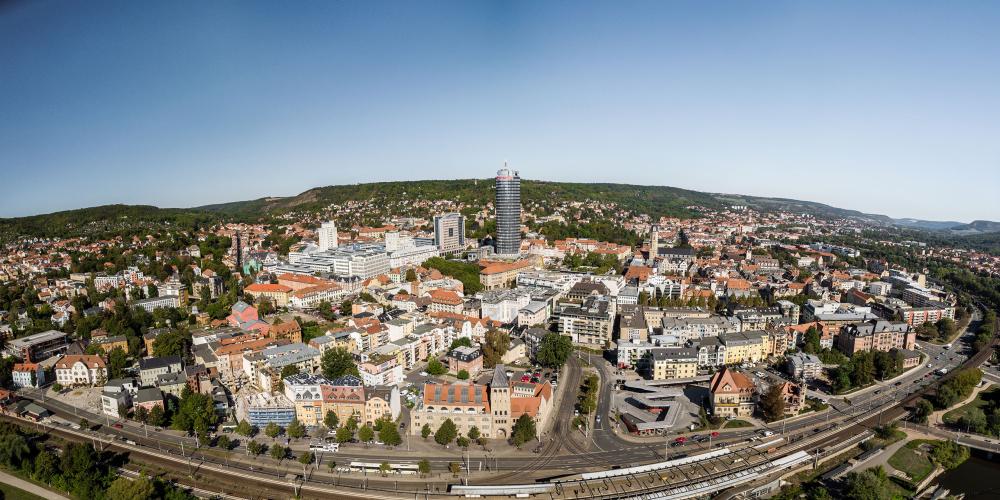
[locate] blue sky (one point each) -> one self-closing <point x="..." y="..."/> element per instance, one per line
<point x="886" y="107"/>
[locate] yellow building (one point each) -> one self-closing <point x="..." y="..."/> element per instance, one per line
<point x="744" y="347"/>
<point x="673" y="362"/>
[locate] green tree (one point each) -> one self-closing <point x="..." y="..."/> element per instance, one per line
<point x="811" y="341"/>
<point x="224" y="442"/>
<point x="871" y="484"/>
<point x="949" y="454"/>
<point x="272" y="430"/>
<point x="455" y="467"/>
<point x="463" y="375"/>
<point x="424" y="467"/>
<point x="366" y="434"/>
<point x="425" y="431"/>
<point x="460" y="342"/>
<point x="474" y="433"/>
<point x="523" y="431"/>
<point x="157" y="417"/>
<point x="117" y="361"/>
<point x="305" y="459"/>
<point x="411" y="275"/>
<point x="172" y="343"/>
<point x="435" y="367"/>
<point x="344" y="434"/>
<point x="331" y="421"/>
<point x="14" y="449"/>
<point x="141" y="414"/>
<point x="384" y="468"/>
<point x="245" y="429"/>
<point x="279" y="452"/>
<point x="255" y="449"/>
<point x="137" y="489"/>
<point x="338" y="362"/>
<point x="446" y="433"/>
<point x="922" y="411"/>
<point x="496" y="345"/>
<point x="554" y="350"/>
<point x="462" y="442"/>
<point x="772" y="405"/>
<point x="195" y="412"/>
<point x="389" y="435"/>
<point x="295" y="429"/>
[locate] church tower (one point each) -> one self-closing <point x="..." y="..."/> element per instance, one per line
<point x="500" y="403"/>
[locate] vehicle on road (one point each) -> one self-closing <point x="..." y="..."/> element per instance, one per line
<point x="117" y="425"/>
<point x="767" y="433"/>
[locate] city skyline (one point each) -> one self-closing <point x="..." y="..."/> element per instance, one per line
<point x="876" y="108"/>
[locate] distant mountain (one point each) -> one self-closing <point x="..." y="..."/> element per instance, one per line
<point x="976" y="227"/>
<point x="654" y="200"/>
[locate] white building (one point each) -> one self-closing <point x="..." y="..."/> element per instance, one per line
<point x="327" y="233"/>
<point x="81" y="369"/>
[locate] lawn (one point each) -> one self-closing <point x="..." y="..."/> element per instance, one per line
<point x="913" y="462"/>
<point x="735" y="424"/>
<point x="983" y="399"/>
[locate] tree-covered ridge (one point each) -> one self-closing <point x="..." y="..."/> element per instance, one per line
<point x="104" y="221"/>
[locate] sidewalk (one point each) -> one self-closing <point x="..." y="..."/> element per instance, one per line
<point x="29" y="487"/>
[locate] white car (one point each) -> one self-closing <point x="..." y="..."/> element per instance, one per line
<point x="424" y="374"/>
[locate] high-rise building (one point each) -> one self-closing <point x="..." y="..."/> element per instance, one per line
<point x="449" y="232"/>
<point x="327" y="236"/>
<point x="508" y="208"/>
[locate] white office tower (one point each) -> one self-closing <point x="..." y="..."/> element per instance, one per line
<point x="449" y="232"/>
<point x="395" y="241"/>
<point x="327" y="236"/>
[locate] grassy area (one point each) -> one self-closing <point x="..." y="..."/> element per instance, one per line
<point x="8" y="492"/>
<point x="910" y="460"/>
<point x="735" y="424"/>
<point x="983" y="399"/>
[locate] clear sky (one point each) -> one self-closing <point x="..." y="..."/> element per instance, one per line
<point x="886" y="107"/>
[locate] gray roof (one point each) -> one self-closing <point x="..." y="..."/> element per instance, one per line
<point x="499" y="377"/>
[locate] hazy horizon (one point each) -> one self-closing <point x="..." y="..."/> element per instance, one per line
<point x="890" y="108"/>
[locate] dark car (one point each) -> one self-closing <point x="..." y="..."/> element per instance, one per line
<point x="117" y="425"/>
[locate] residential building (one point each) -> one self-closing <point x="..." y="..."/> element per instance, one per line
<point x="151" y="368"/>
<point x="590" y="323"/>
<point x="28" y="375"/>
<point x="805" y="367"/>
<point x="496" y="275"/>
<point x="876" y="335"/>
<point x="148" y="398"/>
<point x="445" y="301"/>
<point x="732" y="394"/>
<point x="277" y="294"/>
<point x="154" y="303"/>
<point x="261" y="408"/>
<point x="669" y="363"/>
<point x="465" y="358"/>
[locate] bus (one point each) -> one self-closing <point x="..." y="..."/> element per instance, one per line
<point x="375" y="468"/>
<point x="325" y="447"/>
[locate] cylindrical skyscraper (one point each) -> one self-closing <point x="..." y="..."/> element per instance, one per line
<point x="508" y="207"/>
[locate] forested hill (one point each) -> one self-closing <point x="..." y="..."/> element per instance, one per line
<point x="104" y="221"/>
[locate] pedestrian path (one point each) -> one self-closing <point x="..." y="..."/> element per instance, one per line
<point x="29" y="487"/>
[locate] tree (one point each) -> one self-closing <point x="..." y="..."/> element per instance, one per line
<point x="389" y="435"/>
<point x="974" y="420"/>
<point x="172" y="343"/>
<point x="446" y="433"/>
<point x="554" y="350"/>
<point x="463" y="375"/>
<point x="295" y="429"/>
<point x="460" y="342"/>
<point x="331" y="421"/>
<point x="366" y="434"/>
<point x="141" y="414"/>
<point x="14" y="448"/>
<point x="435" y="367"/>
<point x="139" y="489"/>
<point x="462" y="442"/>
<point x="772" y="405"/>
<point x="523" y="431"/>
<point x="871" y="484"/>
<point x="195" y="412"/>
<point x="425" y="431"/>
<point x="384" y="468"/>
<point x="949" y="454"/>
<point x="279" y="452"/>
<point x="338" y="362"/>
<point x="305" y="459"/>
<point x="272" y="430"/>
<point x="245" y="429"/>
<point x="224" y="442"/>
<point x="85" y="424"/>
<point x="922" y="411"/>
<point x="289" y="370"/>
<point x="474" y="433"/>
<point x="455" y="467"/>
<point x="411" y="275"/>
<point x="424" y="467"/>
<point x="344" y="434"/>
<point x="157" y="417"/>
<point x="812" y="341"/>
<point x="496" y="345"/>
<point x="117" y="361"/>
